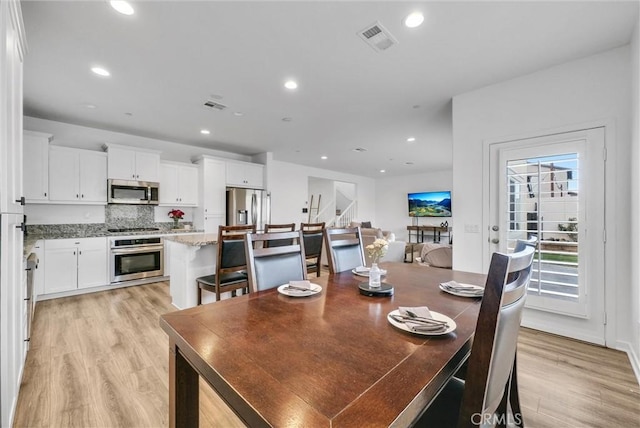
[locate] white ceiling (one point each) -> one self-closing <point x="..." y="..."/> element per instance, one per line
<point x="171" y="56"/>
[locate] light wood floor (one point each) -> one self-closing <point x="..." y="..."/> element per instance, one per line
<point x="101" y="360"/>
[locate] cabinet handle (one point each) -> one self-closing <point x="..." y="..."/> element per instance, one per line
<point x="45" y="194"/>
<point x="77" y="196"/>
<point x="82" y="196"/>
<point x="28" y="340"/>
<point x="21" y="200"/>
<point x="80" y="252"/>
<point x="74" y="253"/>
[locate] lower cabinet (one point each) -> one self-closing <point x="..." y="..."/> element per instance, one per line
<point x="75" y="263"/>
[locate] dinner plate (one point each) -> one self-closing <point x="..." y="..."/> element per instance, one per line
<point x="435" y="315"/>
<point x="284" y="289"/>
<point x="366" y="272"/>
<point x="463" y="293"/>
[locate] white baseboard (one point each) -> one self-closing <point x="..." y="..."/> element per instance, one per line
<point x="553" y="328"/>
<point x="633" y="357"/>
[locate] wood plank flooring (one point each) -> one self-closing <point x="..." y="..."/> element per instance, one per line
<point x="101" y="360"/>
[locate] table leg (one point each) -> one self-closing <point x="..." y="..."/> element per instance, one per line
<point x="184" y="402"/>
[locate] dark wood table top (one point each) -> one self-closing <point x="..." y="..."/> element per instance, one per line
<point x="331" y="359"/>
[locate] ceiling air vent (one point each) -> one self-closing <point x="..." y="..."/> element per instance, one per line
<point x="378" y="37"/>
<point x="360" y="149"/>
<point x="215" y="105"/>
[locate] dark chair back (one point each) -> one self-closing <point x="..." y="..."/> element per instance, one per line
<point x="344" y="249"/>
<point x="312" y="239"/>
<point x="270" y="266"/>
<point x="273" y="228"/>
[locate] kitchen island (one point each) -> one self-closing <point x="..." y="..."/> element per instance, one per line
<point x="190" y="256"/>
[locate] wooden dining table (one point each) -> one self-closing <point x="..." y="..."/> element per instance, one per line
<point x="327" y="360"/>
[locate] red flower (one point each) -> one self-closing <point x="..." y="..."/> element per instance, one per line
<point x="176" y="214"/>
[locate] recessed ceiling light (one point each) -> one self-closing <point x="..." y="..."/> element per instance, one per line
<point x="287" y="119"/>
<point x="100" y="71"/>
<point x="90" y="106"/>
<point x="382" y="170"/>
<point x="408" y="163"/>
<point x="122" y="6"/>
<point x="238" y="113"/>
<point x="414" y="20"/>
<point x="323" y="157"/>
<point x="411" y="139"/>
<point x="205" y="132"/>
<point x="128" y="113"/>
<point x="290" y="84"/>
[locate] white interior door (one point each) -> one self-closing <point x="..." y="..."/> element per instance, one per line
<point x="553" y="187"/>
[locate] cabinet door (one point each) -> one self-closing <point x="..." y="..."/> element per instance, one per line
<point x="212" y="222"/>
<point x="93" y="177"/>
<point x="121" y="163"/>
<point x="92" y="262"/>
<point x="253" y="174"/>
<point x="63" y="175"/>
<point x="169" y="184"/>
<point x="61" y="267"/>
<point x="147" y="166"/>
<point x="188" y="185"/>
<point x="235" y="174"/>
<point x="36" y="167"/>
<point x="214" y="187"/>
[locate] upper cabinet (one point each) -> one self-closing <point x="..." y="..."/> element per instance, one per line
<point x="35" y="166"/>
<point x="178" y="184"/>
<point x="133" y="164"/>
<point x="245" y="174"/>
<point x="77" y="176"/>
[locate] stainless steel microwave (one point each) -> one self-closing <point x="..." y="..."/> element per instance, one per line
<point x="133" y="192"/>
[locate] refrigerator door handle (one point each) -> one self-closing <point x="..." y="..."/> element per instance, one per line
<point x="254" y="213"/>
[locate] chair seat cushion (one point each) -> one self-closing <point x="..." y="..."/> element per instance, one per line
<point x="225" y="279"/>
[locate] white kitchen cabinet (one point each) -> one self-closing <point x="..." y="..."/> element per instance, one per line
<point x="178" y="184"/>
<point x="133" y="164"/>
<point x="35" y="170"/>
<point x="245" y="174"/>
<point x="211" y="210"/>
<point x="77" y="176"/>
<point x="75" y="263"/>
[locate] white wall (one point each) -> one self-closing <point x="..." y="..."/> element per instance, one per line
<point x="635" y="199"/>
<point x="288" y="184"/>
<point x="82" y="137"/>
<point x="589" y="90"/>
<point x="392" y="209"/>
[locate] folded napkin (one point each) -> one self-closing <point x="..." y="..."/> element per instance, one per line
<point x="420" y="312"/>
<point x="299" y="285"/>
<point x="361" y="269"/>
<point x="462" y="288"/>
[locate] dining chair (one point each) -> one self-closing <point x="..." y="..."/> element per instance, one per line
<point x="231" y="266"/>
<point x="312" y="240"/>
<point x="490" y="378"/>
<point x="272" y="228"/>
<point x="344" y="249"/>
<point x="269" y="266"/>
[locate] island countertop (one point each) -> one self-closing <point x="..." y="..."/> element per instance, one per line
<point x="196" y="240"/>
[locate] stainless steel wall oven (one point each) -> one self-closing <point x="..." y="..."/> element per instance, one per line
<point x="136" y="258"/>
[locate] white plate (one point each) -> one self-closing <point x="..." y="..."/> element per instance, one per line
<point x="366" y="272"/>
<point x="283" y="289"/>
<point x="435" y="315"/>
<point x="464" y="293"/>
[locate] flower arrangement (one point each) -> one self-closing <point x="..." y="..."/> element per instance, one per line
<point x="377" y="249"/>
<point x="176" y="214"/>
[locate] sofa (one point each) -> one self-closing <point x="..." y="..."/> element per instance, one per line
<point x="396" y="249"/>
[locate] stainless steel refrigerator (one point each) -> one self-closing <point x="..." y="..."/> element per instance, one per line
<point x="248" y="206"/>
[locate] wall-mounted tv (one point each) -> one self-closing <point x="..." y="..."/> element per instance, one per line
<point x="430" y="204"/>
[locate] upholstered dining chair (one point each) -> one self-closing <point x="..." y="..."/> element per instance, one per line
<point x="272" y="228"/>
<point x="483" y="396"/>
<point x="231" y="266"/>
<point x="312" y="240"/>
<point x="270" y="266"/>
<point x="344" y="249"/>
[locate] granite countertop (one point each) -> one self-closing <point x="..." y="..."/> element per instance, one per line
<point x="31" y="239"/>
<point x="196" y="240"/>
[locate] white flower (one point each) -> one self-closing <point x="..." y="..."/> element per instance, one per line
<point x="377" y="249"/>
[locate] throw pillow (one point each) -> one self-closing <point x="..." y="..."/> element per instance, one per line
<point x="366" y="225"/>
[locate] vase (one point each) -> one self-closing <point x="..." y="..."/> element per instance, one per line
<point x="374" y="276"/>
<point x="176" y="223"/>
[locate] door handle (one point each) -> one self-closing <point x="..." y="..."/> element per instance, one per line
<point x="495" y="241"/>
<point x="495" y="228"/>
<point x="21" y="200"/>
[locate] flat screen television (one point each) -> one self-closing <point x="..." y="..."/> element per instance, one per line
<point x="430" y="204"/>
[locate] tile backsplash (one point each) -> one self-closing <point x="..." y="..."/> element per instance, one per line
<point x="120" y="216"/>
